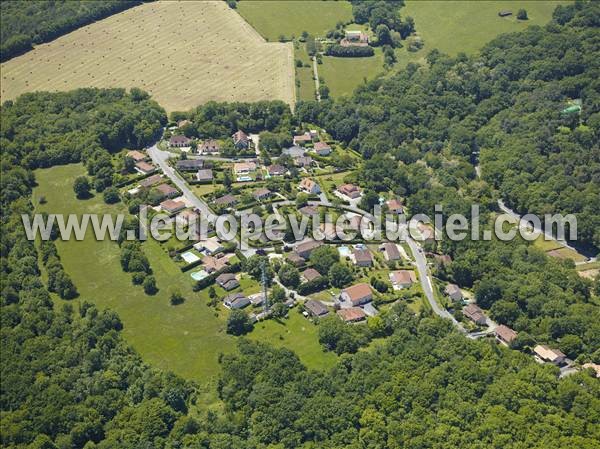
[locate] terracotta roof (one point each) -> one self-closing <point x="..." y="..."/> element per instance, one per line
<point x="166" y="189"/>
<point x="451" y="289"/>
<point x="403" y="277"/>
<point x="150" y="180"/>
<point x="505" y="333"/>
<point x="145" y="166"/>
<point x="309" y="210"/>
<point x="473" y="312"/>
<point x="395" y="206"/>
<point x="174" y="140"/>
<point x="209" y="146"/>
<point x="240" y="136"/>
<point x="321" y="146"/>
<point x="244" y="166"/>
<point x="348" y="189"/>
<point x="171" y="205"/>
<point x="358" y="292"/>
<point x="352" y="314"/>
<point x="307" y="246"/>
<point x="136" y="155"/>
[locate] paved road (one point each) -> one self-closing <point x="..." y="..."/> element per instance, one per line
<point x="160" y="158"/>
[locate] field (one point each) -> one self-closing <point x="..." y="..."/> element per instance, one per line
<point x="183" y="53"/>
<point x="273" y="19"/>
<point x="187" y="338"/>
<point x="343" y="75"/>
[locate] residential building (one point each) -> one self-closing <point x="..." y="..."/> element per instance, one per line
<point x="145" y="168"/>
<point x="592" y="366"/>
<point x="352" y="314"/>
<point x="304" y="249"/>
<point x="315" y="308"/>
<point x="189" y="164"/>
<point x="204" y="175"/>
<point x="395" y="206"/>
<point x="547" y="354"/>
<point x="226" y="200"/>
<point x="453" y="292"/>
<point x="427" y="232"/>
<point x="240" y="140"/>
<point x="257" y="299"/>
<point x="188" y="217"/>
<point x="310" y="274"/>
<point x="322" y="148"/>
<point x="210" y="246"/>
<point x="179" y="141"/>
<point x="390" y="251"/>
<point x="402" y="278"/>
<point x="167" y="191"/>
<point x="505" y="334"/>
<point x="356" y="36"/>
<point x="212" y="264"/>
<point x="303" y="161"/>
<point x="262" y="194"/>
<point x="349" y="190"/>
<point x="235" y="301"/>
<point x="227" y="281"/>
<point x="244" y="168"/>
<point x="362" y="257"/>
<point x="309" y="186"/>
<point x="276" y="170"/>
<point x="295" y="259"/>
<point x="151" y="181"/>
<point x="309" y="211"/>
<point x="475" y="314"/>
<point x="137" y="156"/>
<point x="357" y="294"/>
<point x="209" y="146"/>
<point x="302" y="139"/>
<point x="171" y="206"/>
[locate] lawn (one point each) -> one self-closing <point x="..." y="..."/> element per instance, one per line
<point x="186" y="339"/>
<point x="213" y="54"/>
<point x="343" y="75"/>
<point x="273" y="19"/>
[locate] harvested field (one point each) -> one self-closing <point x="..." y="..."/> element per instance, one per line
<point x="183" y="53"/>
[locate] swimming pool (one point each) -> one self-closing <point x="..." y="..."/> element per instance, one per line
<point x="244" y="178"/>
<point x="199" y="275"/>
<point x="189" y="257"/>
<point x="344" y="251"/>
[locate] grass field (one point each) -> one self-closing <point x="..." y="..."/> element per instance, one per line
<point x="343" y="75"/>
<point x="183" y="53"/>
<point x="186" y="339"/>
<point x="273" y="19"/>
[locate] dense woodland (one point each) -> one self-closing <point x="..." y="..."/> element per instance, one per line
<point x="25" y="23"/>
<point x="68" y="379"/>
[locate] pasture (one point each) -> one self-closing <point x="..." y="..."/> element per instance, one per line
<point x="183" y="53"/>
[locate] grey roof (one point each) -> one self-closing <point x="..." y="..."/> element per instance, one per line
<point x="294" y="151"/>
<point x="190" y="164"/>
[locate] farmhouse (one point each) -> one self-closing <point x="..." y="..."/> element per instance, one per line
<point x="453" y="292"/>
<point x="226" y="200"/>
<point x="137" y="156"/>
<point x="315" y="308"/>
<point x="179" y="141"/>
<point x="262" y="194"/>
<point x="240" y="140"/>
<point x="349" y="190"/>
<point x="310" y="274"/>
<point x="276" y="170"/>
<point x="352" y="314"/>
<point x="475" y="314"/>
<point x="189" y="164"/>
<point x="150" y="181"/>
<point x="546" y="354"/>
<point x="304" y="249"/>
<point x="167" y="191"/>
<point x="402" y="278"/>
<point x="210" y="146"/>
<point x="303" y="161"/>
<point x="357" y="294"/>
<point x="244" y="168"/>
<point x="395" y="206"/>
<point x="204" y="175"/>
<point x="390" y="251"/>
<point x="227" y="281"/>
<point x="145" y="168"/>
<point x="363" y="257"/>
<point x="235" y="301"/>
<point x="505" y="334"/>
<point x="171" y="206"/>
<point x="322" y="149"/>
<point x="309" y="186"/>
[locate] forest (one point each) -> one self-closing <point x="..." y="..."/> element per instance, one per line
<point x="69" y="380"/>
<point x="27" y="23"/>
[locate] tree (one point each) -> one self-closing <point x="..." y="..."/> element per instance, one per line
<point x="340" y="275"/>
<point x="522" y="14"/>
<point x="227" y="180"/>
<point x="323" y="257"/>
<point x="571" y="345"/>
<point x="149" y="285"/>
<point x="289" y="275"/>
<point x="177" y="298"/>
<point x="277" y="294"/>
<point x="111" y="196"/>
<point x="81" y="186"/>
<point x="238" y="323"/>
<point x="279" y="310"/>
<point x="323" y="91"/>
<point x="383" y="35"/>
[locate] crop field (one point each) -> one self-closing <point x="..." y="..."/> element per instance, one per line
<point x="183" y="53"/>
<point x="273" y="19"/>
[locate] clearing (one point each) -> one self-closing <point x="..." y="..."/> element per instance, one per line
<point x="213" y="54"/>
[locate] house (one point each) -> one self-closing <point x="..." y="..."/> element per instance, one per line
<point x="244" y="168"/>
<point x="227" y="281"/>
<point x="356" y="36"/>
<point x="363" y="257"/>
<point x="505" y="334"/>
<point x="179" y="141"/>
<point x="210" y="246"/>
<point x="330" y="230"/>
<point x="592" y="366"/>
<point x="276" y="170"/>
<point x="167" y="191"/>
<point x="427" y="232"/>
<point x="546" y="354"/>
<point x="145" y="168"/>
<point x="390" y="251"/>
<point x="349" y="190"/>
<point x="309" y="211"/>
<point x="137" y="156"/>
<point x="303" y="161"/>
<point x="240" y="140"/>
<point x="262" y="194"/>
<point x="171" y="206"/>
<point x="304" y="249"/>
<point x="212" y="264"/>
<point x="187" y="216"/>
<point x="315" y="308"/>
<point x="310" y="274"/>
<point x="402" y="278"/>
<point x="294" y="151"/>
<point x="189" y="164"/>
<point x="235" y="301"/>
<point x="475" y="314"/>
<point x="395" y="206"/>
<point x="302" y="139"/>
<point x="453" y="292"/>
<point x="210" y="146"/>
<point x="204" y="175"/>
<point x="322" y="148"/>
<point x="257" y="299"/>
<point x="150" y="181"/>
<point x="504" y="13"/>
<point x="357" y="294"/>
<point x="352" y="314"/>
<point x="226" y="200"/>
<point x="295" y="260"/>
<point x="309" y="186"/>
